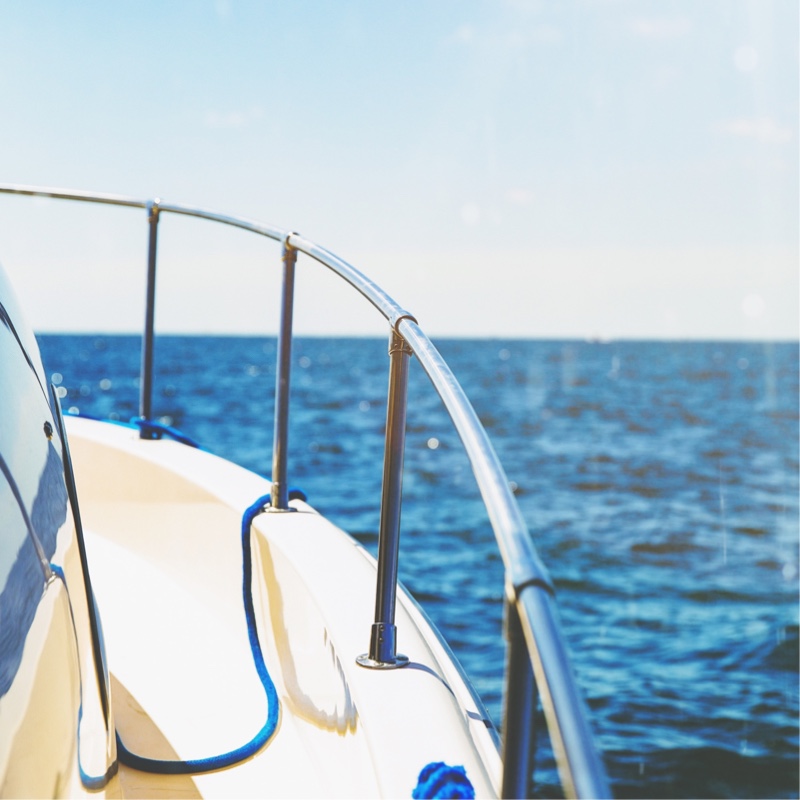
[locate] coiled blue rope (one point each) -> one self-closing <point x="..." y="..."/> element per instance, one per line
<point x="437" y="779"/>
<point x="263" y="736"/>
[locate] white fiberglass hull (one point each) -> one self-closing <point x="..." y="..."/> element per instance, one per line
<point x="162" y="527"/>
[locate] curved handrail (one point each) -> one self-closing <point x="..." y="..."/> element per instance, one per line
<point x="529" y="589"/>
<point x="371" y="291"/>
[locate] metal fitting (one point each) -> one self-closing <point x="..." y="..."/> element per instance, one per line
<point x="152" y="208"/>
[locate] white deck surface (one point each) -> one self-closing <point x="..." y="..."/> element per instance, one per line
<point x="162" y="524"/>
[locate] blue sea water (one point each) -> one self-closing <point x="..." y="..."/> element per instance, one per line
<point x="659" y="481"/>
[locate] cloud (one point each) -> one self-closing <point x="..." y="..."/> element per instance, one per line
<point x="745" y="58"/>
<point x="765" y="130"/>
<point x="464" y="34"/>
<point x="753" y="306"/>
<point x="517" y="38"/>
<point x="231" y="119"/>
<point x="470" y="214"/>
<point x="519" y="196"/>
<point x="545" y="34"/>
<point x="661" y="27"/>
<point x="525" y="6"/>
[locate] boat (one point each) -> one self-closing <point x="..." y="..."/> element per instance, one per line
<point x="174" y="625"/>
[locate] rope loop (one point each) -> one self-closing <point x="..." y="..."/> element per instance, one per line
<point x="190" y="766"/>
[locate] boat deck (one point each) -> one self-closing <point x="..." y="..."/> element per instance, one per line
<point x="162" y="526"/>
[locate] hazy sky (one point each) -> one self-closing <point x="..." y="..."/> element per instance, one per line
<point x="604" y="168"/>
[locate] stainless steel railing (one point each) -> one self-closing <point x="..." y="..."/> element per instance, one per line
<point x="537" y="659"/>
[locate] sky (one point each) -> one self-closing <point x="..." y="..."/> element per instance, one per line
<point x="603" y="169"/>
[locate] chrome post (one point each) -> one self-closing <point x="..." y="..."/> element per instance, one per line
<point x="519" y="709"/>
<point x="383" y="640"/>
<point x="280" y="441"/>
<point x="146" y="375"/>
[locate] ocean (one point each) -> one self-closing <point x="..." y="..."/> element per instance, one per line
<point x="659" y="482"/>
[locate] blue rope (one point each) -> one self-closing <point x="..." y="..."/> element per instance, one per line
<point x="437" y="779"/>
<point x="149" y="428"/>
<point x="263" y="736"/>
<point x="155" y="430"/>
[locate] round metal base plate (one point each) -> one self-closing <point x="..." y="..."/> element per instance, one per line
<point x="365" y="661"/>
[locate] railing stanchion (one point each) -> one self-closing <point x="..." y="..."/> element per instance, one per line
<point x="383" y="640"/>
<point x="519" y="709"/>
<point x="280" y="442"/>
<point x="146" y="376"/>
